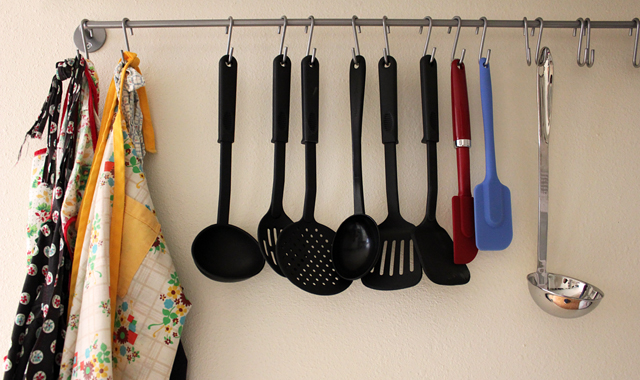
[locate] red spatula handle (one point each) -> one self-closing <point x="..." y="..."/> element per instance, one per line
<point x="461" y="125"/>
<point x="460" y="102"/>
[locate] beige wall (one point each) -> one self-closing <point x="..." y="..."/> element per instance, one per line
<point x="266" y="328"/>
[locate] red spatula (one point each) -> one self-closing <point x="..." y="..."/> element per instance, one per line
<point x="464" y="239"/>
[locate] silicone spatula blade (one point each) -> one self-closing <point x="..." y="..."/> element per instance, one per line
<point x="493" y="224"/>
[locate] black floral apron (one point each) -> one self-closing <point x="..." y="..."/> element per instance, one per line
<point x="38" y="333"/>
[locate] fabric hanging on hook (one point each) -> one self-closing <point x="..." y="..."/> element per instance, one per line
<point x="58" y="179"/>
<point x="128" y="307"/>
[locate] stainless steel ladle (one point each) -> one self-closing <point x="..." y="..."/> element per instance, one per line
<point x="557" y="294"/>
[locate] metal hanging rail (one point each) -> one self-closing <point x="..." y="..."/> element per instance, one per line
<point x="359" y="22"/>
<point x="91" y="35"/>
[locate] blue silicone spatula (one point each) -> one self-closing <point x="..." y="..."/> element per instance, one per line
<point x="492" y="199"/>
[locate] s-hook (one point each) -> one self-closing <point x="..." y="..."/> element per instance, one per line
<point x="386" y="51"/>
<point x="589" y="59"/>
<point x="455" y="42"/>
<point x="229" y="30"/>
<point x="83" y="28"/>
<point x="309" y="29"/>
<point x="484" y="33"/>
<point x="426" y="44"/>
<point x="634" y="60"/>
<point x="355" y="51"/>
<point x="283" y="49"/>
<point x="126" y="38"/>
<point x="539" y="58"/>
<point x="527" y="50"/>
<point x="580" y="62"/>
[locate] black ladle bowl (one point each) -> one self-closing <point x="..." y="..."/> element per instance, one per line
<point x="224" y="252"/>
<point x="356" y="247"/>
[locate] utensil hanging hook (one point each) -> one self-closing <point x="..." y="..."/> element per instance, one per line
<point x="355" y="51"/>
<point x="126" y="38"/>
<point x="539" y="58"/>
<point x="309" y="29"/>
<point x="426" y="44"/>
<point x="229" y="31"/>
<point x="455" y="42"/>
<point x="589" y="59"/>
<point x="634" y="60"/>
<point x="83" y="26"/>
<point x="580" y="62"/>
<point x="386" y="51"/>
<point x="527" y="50"/>
<point x="484" y="33"/>
<point x="283" y="28"/>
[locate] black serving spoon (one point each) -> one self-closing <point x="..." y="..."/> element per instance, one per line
<point x="221" y="251"/>
<point x="356" y="246"/>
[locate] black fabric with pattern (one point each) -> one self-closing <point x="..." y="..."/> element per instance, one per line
<point x="37" y="340"/>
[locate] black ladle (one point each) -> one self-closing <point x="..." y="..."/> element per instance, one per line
<point x="433" y="243"/>
<point x="221" y="251"/>
<point x="356" y="246"/>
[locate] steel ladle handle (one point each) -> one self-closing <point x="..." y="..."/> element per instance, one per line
<point x="544" y="87"/>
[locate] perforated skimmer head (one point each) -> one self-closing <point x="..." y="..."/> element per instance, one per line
<point x="304" y="256"/>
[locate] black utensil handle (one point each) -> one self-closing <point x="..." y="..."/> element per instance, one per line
<point x="227" y="85"/>
<point x="224" y="192"/>
<point x="281" y="99"/>
<point x="430" y="123"/>
<point x="277" y="192"/>
<point x="227" y="82"/>
<point x="388" y="75"/>
<point x="429" y="85"/>
<point x="310" y="106"/>
<point x="391" y="179"/>
<point x="357" y="79"/>
<point x="310" y="183"/>
<point x="432" y="180"/>
<point x="310" y="99"/>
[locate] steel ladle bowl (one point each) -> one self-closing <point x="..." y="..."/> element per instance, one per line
<point x="564" y="297"/>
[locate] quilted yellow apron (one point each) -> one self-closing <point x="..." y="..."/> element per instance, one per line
<point x="127" y="307"/>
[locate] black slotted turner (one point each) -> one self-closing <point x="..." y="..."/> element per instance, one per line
<point x="398" y="267"/>
<point x="303" y="249"/>
<point x="275" y="219"/>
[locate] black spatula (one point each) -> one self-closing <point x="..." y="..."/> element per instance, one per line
<point x="433" y="244"/>
<point x="397" y="267"/>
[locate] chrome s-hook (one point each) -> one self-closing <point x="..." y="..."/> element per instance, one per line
<point x="355" y="51"/>
<point x="229" y="31"/>
<point x="589" y="58"/>
<point x="539" y="58"/>
<point x="634" y="60"/>
<point x="385" y="51"/>
<point x="126" y="38"/>
<point x="580" y="62"/>
<point x="283" y="29"/>
<point x="83" y="26"/>
<point x="455" y="42"/>
<point x="309" y="29"/>
<point x="426" y="44"/>
<point x="527" y="50"/>
<point x="484" y="33"/>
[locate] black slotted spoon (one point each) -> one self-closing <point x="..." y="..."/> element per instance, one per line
<point x="275" y="219"/>
<point x="397" y="267"/>
<point x="303" y="249"/>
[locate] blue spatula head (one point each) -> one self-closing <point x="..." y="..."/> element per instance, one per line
<point x="492" y="203"/>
